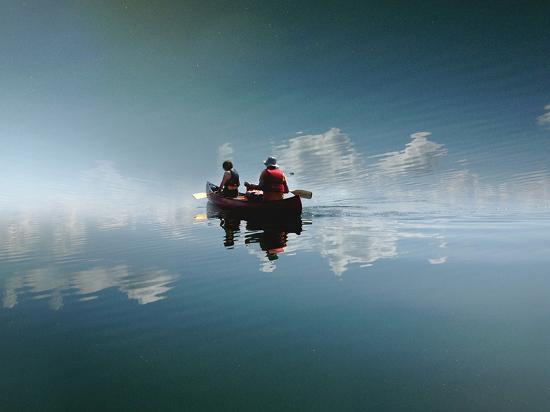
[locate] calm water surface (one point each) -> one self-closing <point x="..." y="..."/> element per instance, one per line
<point x="345" y="309"/>
<point x="410" y="282"/>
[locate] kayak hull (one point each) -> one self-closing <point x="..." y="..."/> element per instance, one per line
<point x="240" y="204"/>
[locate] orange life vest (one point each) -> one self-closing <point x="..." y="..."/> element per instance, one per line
<point x="273" y="181"/>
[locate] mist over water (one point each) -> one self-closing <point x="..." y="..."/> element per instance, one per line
<point x="366" y="209"/>
<point x="421" y="175"/>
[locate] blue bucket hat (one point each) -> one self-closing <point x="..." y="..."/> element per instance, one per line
<point x="271" y="161"/>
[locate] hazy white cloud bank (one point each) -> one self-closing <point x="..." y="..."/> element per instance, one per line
<point x="419" y="155"/>
<point x="327" y="163"/>
<point x="225" y="152"/>
<point x="415" y="176"/>
<point x="544" y="119"/>
<point x="331" y="151"/>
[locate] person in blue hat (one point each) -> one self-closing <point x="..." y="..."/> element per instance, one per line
<point x="273" y="181"/>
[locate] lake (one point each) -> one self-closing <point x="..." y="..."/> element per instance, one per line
<point x="415" y="279"/>
<point x="346" y="308"/>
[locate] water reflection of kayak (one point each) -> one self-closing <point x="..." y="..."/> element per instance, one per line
<point x="271" y="233"/>
<point x="241" y="204"/>
<point x="283" y="223"/>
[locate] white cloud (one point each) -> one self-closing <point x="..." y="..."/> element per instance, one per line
<point x="69" y="234"/>
<point x="438" y="261"/>
<point x="9" y="298"/>
<point x="266" y="265"/>
<point x="19" y="236"/>
<point x="361" y="242"/>
<point x="48" y="282"/>
<point x="225" y="152"/>
<point x="544" y="119"/>
<point x="331" y="152"/>
<point x="145" y="287"/>
<point x="119" y="198"/>
<point x="420" y="154"/>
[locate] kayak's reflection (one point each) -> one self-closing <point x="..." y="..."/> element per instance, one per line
<point x="271" y="236"/>
<point x="269" y="233"/>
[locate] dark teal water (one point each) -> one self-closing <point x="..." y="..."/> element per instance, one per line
<point x="347" y="309"/>
<point x="415" y="279"/>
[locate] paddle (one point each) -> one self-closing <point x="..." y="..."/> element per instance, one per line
<point x="302" y="193"/>
<point x="201" y="195"/>
<point x="298" y="192"/>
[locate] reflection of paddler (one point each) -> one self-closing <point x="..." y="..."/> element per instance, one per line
<point x="230" y="226"/>
<point x="272" y="241"/>
<point x="272" y="181"/>
<point x="270" y="234"/>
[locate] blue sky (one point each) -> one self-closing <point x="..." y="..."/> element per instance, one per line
<point x="157" y="87"/>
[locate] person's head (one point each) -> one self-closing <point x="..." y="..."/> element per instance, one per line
<point x="227" y="165"/>
<point x="271" y="162"/>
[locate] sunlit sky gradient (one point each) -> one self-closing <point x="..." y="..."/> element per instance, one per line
<point x="156" y="88"/>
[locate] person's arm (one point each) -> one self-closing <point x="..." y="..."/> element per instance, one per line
<point x="262" y="180"/>
<point x="226" y="177"/>
<point x="251" y="186"/>
<point x="285" y="184"/>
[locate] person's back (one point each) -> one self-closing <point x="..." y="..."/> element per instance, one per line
<point x="272" y="181"/>
<point x="229" y="187"/>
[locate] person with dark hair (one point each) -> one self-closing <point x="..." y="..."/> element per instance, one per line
<point x="272" y="181"/>
<point x="229" y="187"/>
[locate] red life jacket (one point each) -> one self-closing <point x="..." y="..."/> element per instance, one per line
<point x="273" y="181"/>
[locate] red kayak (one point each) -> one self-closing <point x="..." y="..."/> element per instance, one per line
<point x="291" y="205"/>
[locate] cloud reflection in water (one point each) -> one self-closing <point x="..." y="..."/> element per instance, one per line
<point x="361" y="214"/>
<point x="413" y="179"/>
<point x="343" y="239"/>
<point x="419" y="155"/>
<point x="53" y="284"/>
<point x="39" y="252"/>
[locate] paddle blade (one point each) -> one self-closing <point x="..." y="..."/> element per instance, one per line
<point x="201" y="195"/>
<point x="302" y="193"/>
